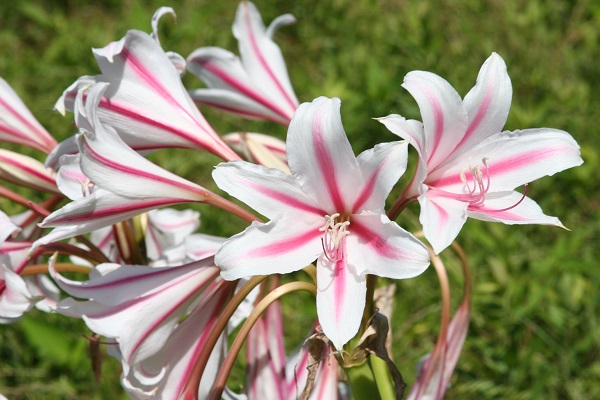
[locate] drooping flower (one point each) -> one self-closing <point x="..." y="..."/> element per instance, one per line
<point x="332" y="208"/>
<point x="146" y="102"/>
<point x="467" y="166"/>
<point x="258" y="85"/>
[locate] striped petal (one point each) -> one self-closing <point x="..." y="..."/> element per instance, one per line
<point x="231" y="88"/>
<point x="514" y="159"/>
<point x="320" y="155"/>
<point x="341" y="296"/>
<point x="487" y="103"/>
<point x="444" y="116"/>
<point x="260" y="149"/>
<point x="381" y="168"/>
<point x="26" y="171"/>
<point x="512" y="208"/>
<point x="267" y="190"/>
<point x="18" y="125"/>
<point x="379" y="246"/>
<point x="100" y="209"/>
<point x="261" y="57"/>
<point x="277" y="247"/>
<point x="442" y="219"/>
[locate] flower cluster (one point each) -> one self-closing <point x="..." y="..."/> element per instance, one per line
<point x="166" y="299"/>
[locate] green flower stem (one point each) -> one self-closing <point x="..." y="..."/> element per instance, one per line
<point x="382" y="376"/>
<point x="362" y="382"/>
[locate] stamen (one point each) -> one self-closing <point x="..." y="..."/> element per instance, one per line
<point x="333" y="240"/>
<point x="517" y="203"/>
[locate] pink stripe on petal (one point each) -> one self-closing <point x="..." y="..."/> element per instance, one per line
<point x="285" y="245"/>
<point x="265" y="64"/>
<point x="325" y="160"/>
<point x="244" y="89"/>
<point x="339" y="286"/>
<point x="135" y="172"/>
<point x="284" y="198"/>
<point x="28" y="169"/>
<point x="374" y="241"/>
<point x="438" y="120"/>
<point x="368" y="189"/>
<point x="476" y="121"/>
<point x="47" y="142"/>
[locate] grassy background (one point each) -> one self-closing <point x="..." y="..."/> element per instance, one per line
<point x="534" y="331"/>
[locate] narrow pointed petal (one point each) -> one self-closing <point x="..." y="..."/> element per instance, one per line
<point x="277" y="247"/>
<point x="379" y="246"/>
<point x="26" y="171"/>
<point x="319" y="153"/>
<point x="267" y="190"/>
<point x="414" y="132"/>
<point x="381" y="168"/>
<point x="487" y="103"/>
<point x="444" y="116"/>
<point x="7" y="227"/>
<point x="512" y="208"/>
<point x="100" y="209"/>
<point x="442" y="219"/>
<point x="66" y="147"/>
<point x="262" y="57"/>
<point x="341" y="296"/>
<point x="15" y="297"/>
<point x="18" y="125"/>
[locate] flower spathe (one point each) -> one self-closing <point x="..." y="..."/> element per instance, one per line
<point x="469" y="167"/>
<point x="330" y="208"/>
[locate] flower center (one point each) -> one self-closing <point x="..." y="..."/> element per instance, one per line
<point x="473" y="178"/>
<point x="336" y="229"/>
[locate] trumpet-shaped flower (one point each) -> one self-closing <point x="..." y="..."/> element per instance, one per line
<point x="467" y="166"/>
<point x="146" y="102"/>
<point x="257" y="86"/>
<point x="332" y="208"/>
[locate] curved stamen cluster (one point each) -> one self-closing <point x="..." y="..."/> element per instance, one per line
<point x="333" y="239"/>
<point x="478" y="189"/>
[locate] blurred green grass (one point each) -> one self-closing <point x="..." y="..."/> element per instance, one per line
<point x="534" y="331"/>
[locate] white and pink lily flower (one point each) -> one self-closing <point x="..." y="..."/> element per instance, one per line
<point x="26" y="171"/>
<point x="258" y="85"/>
<point x="332" y="208"/>
<point x="143" y="309"/>
<point x="467" y="166"/>
<point x="17" y="123"/>
<point x="146" y="102"/>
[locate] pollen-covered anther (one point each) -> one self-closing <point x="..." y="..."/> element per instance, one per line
<point x="333" y="240"/>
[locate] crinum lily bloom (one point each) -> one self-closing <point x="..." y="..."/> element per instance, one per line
<point x="258" y="85"/>
<point x="332" y="208"/>
<point x="467" y="166"/>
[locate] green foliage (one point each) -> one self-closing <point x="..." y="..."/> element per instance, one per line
<point x="534" y="330"/>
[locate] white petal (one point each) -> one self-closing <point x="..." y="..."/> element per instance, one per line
<point x="513" y="158"/>
<point x="267" y="190"/>
<point x="320" y="155"/>
<point x="381" y="167"/>
<point x="443" y="113"/>
<point x="442" y="219"/>
<point x="261" y="57"/>
<point x="487" y="103"/>
<point x="282" y="246"/>
<point x="341" y="296"/>
<point x="380" y="247"/>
